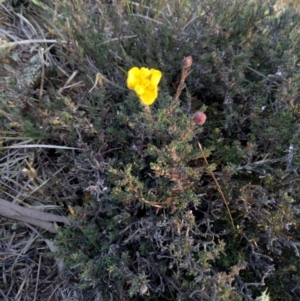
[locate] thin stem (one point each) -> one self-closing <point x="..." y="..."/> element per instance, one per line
<point x="219" y="187"/>
<point x="148" y="110"/>
<point x="181" y="85"/>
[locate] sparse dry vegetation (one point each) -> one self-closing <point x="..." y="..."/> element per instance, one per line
<point x="104" y="199"/>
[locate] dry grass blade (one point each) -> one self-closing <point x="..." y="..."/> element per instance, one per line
<point x="34" y="217"/>
<point x="31" y="172"/>
<point x="39" y="146"/>
<point x="37" y="277"/>
<point x="12" y="44"/>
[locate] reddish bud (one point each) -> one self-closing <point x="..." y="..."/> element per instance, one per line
<point x="199" y="118"/>
<point x="187" y="62"/>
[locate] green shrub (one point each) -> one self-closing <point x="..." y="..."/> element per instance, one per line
<point x="154" y="223"/>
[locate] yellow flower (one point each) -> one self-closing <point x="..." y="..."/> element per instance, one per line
<point x="144" y="82"/>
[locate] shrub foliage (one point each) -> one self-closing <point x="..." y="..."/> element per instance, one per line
<point x="160" y="218"/>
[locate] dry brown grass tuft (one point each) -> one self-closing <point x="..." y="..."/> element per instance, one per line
<point x="27" y="272"/>
<point x="32" y="176"/>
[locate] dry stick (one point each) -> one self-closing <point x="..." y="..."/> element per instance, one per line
<point x="22" y="285"/>
<point x="218" y="186"/>
<point x="34" y="217"/>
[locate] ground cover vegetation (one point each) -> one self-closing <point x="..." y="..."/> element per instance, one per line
<point x="188" y="192"/>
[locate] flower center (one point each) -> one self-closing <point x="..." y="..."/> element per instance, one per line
<point x="144" y="84"/>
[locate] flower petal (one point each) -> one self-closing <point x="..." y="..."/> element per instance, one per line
<point x="148" y="97"/>
<point x="145" y="73"/>
<point x="139" y="89"/>
<point x="155" y="76"/>
<point x="133" y="77"/>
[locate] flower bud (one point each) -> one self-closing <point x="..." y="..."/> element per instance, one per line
<point x="187" y="62"/>
<point x="199" y="118"/>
